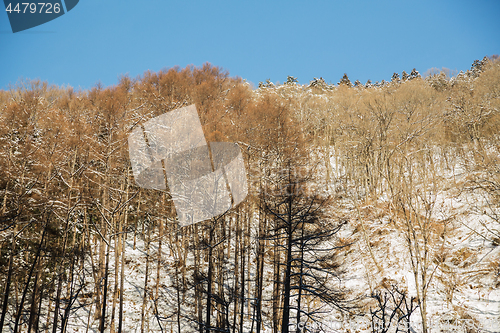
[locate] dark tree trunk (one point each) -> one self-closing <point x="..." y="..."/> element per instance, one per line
<point x="209" y="281"/>
<point x="23" y="298"/>
<point x="286" y="285"/>
<point x="34" y="300"/>
<point x="105" y="293"/>
<point x="7" y="284"/>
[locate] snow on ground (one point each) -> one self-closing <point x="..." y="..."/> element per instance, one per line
<point x="462" y="293"/>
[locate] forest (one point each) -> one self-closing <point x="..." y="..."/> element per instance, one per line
<point x="371" y="207"/>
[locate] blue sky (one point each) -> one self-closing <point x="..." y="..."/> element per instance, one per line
<point x="256" y="40"/>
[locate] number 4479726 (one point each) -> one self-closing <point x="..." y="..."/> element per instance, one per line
<point x="34" y="7"/>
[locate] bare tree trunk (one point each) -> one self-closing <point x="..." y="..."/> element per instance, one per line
<point x="122" y="248"/>
<point x="115" y="287"/>
<point x="243" y="269"/>
<point x="102" y="325"/>
<point x="301" y="273"/>
<point x="145" y="298"/>
<point x="209" y="280"/>
<point x="34" y="300"/>
<point x="249" y="254"/>
<point x="70" y="297"/>
<point x="37" y="255"/>
<point x="136" y="220"/>
<point x="236" y="268"/>
<point x="259" y="272"/>
<point x="39" y="310"/>
<point x="288" y="272"/>
<point x="122" y="278"/>
<point x="276" y="285"/>
<point x="197" y="288"/>
<point x="159" y="263"/>
<point x="60" y="279"/>
<point x="49" y="308"/>
<point x="178" y="290"/>
<point x="9" y="279"/>
<point x="221" y="303"/>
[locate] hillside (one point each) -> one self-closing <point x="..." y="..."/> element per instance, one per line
<point x="368" y="207"/>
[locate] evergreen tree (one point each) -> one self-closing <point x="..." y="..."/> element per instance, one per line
<point x="395" y="78"/>
<point x="414" y="74"/>
<point x="268" y="84"/>
<point x="405" y="76"/>
<point x="478" y="66"/>
<point x="291" y="80"/>
<point x="345" y="81"/>
<point x="318" y="83"/>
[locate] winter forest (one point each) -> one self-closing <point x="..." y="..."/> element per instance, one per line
<point x="371" y="207"/>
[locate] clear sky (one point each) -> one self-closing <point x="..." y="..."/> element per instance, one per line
<point x="99" y="40"/>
